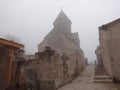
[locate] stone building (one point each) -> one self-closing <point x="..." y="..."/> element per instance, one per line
<point x="61" y="38"/>
<point x="58" y="61"/>
<point x="65" y="43"/>
<point x="59" y="58"/>
<point x="109" y="37"/>
<point x="8" y="55"/>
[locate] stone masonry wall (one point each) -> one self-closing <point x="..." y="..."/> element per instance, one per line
<point x="110" y="43"/>
<point x="99" y="57"/>
<point x="114" y="49"/>
<point x="105" y="52"/>
<point x="52" y="70"/>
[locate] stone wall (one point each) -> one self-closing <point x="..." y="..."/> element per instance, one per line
<point x="105" y="52"/>
<point x="51" y="70"/>
<point x="110" y="46"/>
<point x="99" y="57"/>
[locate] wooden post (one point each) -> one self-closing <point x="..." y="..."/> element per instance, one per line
<point x="10" y="66"/>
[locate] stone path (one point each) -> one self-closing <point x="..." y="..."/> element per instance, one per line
<point x="86" y="82"/>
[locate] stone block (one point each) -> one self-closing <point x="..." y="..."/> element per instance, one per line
<point x="45" y="85"/>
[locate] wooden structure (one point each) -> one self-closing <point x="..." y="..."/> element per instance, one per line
<point x="10" y="47"/>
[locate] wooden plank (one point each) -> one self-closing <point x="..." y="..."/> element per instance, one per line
<point x="10" y="43"/>
<point x="10" y="67"/>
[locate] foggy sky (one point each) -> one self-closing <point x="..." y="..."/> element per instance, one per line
<point x="32" y="20"/>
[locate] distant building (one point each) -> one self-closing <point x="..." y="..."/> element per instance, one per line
<point x="86" y="62"/>
<point x="110" y="48"/>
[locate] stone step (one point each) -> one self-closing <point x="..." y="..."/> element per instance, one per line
<point x="102" y="77"/>
<point x="103" y="81"/>
<point x="99" y="89"/>
<point x="92" y="88"/>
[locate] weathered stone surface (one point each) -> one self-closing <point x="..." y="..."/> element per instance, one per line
<point x="100" y="71"/>
<point x="45" y="85"/>
<point x="110" y="48"/>
<point x="99" y="57"/>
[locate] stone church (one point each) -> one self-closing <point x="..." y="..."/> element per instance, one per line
<point x="58" y="61"/>
<point x="61" y="38"/>
<point x="70" y="57"/>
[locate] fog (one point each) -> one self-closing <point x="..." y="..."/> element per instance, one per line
<point x="32" y="20"/>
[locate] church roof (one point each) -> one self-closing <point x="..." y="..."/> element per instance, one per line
<point x="63" y="16"/>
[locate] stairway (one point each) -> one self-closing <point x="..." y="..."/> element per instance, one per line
<point x="102" y="79"/>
